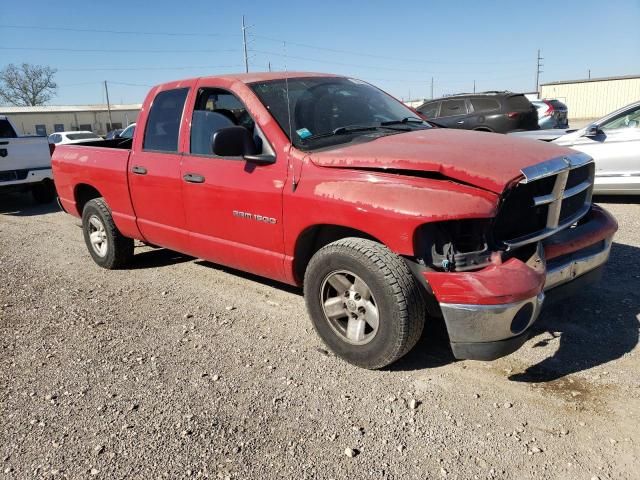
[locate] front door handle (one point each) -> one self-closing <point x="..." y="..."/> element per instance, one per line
<point x="139" y="170"/>
<point x="193" y="178"/>
<point x="460" y="122"/>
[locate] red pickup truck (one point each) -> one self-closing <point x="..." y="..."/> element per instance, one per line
<point x="328" y="183"/>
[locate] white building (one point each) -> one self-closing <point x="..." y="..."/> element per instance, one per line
<point x="594" y="97"/>
<point x="46" y="119"/>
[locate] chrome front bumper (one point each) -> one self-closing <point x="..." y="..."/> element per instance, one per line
<point x="565" y="269"/>
<point x="487" y="332"/>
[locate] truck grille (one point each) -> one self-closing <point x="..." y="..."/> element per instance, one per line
<point x="552" y="196"/>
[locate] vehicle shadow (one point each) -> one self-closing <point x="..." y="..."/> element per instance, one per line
<point x="23" y="205"/>
<point x="158" y="257"/>
<point x="431" y="351"/>
<point x="252" y="277"/>
<point x="596" y="326"/>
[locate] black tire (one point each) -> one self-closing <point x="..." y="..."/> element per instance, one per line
<point x="44" y="192"/>
<point x="119" y="249"/>
<point x="400" y="302"/>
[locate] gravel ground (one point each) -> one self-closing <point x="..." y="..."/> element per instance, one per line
<point x="178" y="368"/>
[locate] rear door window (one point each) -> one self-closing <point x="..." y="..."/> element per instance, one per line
<point x="450" y="108"/>
<point x="519" y="103"/>
<point x="163" y="124"/>
<point x="484" y="104"/>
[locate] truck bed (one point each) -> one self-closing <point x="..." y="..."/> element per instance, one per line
<point x="100" y="166"/>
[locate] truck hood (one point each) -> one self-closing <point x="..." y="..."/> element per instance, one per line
<point x="486" y="160"/>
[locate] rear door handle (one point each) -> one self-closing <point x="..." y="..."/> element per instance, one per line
<point x="139" y="170"/>
<point x="193" y="178"/>
<point x="460" y="122"/>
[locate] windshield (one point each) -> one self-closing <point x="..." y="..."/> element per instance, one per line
<point x="326" y="111"/>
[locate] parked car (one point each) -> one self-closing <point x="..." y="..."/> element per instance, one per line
<point x="551" y="113"/>
<point x="25" y="163"/>
<point x="113" y="134"/>
<point x="128" y="132"/>
<point x="614" y="143"/>
<point x="66" y="138"/>
<point x="328" y="183"/>
<point x="499" y="112"/>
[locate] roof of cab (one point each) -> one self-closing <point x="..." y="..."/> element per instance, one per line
<point x="263" y="76"/>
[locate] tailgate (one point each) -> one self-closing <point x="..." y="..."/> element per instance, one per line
<point x="24" y="153"/>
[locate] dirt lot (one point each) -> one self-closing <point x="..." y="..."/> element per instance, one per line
<point x="178" y="368"/>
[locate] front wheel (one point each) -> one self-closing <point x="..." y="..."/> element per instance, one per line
<point x="364" y="302"/>
<point x="107" y="246"/>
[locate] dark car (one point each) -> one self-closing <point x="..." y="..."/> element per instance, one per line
<point x="499" y="112"/>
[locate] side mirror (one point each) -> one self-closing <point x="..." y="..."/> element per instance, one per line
<point x="233" y="141"/>
<point x="592" y="131"/>
<point x="261" y="159"/>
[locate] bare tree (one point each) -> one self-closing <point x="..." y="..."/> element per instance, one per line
<point x="27" y="85"/>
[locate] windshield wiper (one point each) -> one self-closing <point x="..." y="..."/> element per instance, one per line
<point x="404" y="121"/>
<point x="351" y="129"/>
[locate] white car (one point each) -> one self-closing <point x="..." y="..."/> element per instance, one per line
<point x="613" y="142"/>
<point x="66" y="138"/>
<point x="25" y="163"/>
<point x="128" y="132"/>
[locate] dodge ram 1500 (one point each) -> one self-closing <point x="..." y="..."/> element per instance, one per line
<point x="328" y="183"/>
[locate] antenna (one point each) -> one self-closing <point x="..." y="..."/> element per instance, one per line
<point x="294" y="182"/>
<point x="244" y="46"/>
<point x="286" y="83"/>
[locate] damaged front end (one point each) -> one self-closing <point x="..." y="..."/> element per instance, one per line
<point x="489" y="276"/>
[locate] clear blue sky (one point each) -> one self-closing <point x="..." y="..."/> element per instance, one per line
<point x="398" y="46"/>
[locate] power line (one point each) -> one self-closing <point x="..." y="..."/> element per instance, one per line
<point x="130" y="84"/>
<point x="384" y="57"/>
<point x="190" y="67"/>
<point x="111" y="50"/>
<point x="118" y="32"/>
<point x="271" y="39"/>
<point x="354" y="65"/>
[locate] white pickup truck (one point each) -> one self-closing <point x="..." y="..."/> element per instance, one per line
<point x="25" y="163"/>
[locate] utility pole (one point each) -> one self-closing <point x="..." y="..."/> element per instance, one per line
<point x="589" y="74"/>
<point x="474" y="86"/>
<point x="106" y="91"/>
<point x="431" y="88"/>
<point x="269" y="66"/>
<point x="538" y="72"/>
<point x="244" y="46"/>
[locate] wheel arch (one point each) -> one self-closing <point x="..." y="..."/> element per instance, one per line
<point x="82" y="193"/>
<point x="314" y="237"/>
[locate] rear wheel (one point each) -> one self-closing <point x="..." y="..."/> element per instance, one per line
<point x="364" y="302"/>
<point x="107" y="246"/>
<point x="44" y="191"/>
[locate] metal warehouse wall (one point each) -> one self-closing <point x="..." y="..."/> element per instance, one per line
<point x="26" y="122"/>
<point x="594" y="98"/>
